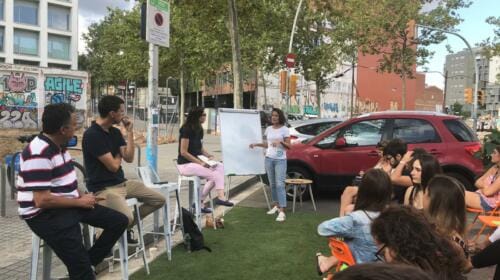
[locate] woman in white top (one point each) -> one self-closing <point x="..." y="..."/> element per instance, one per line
<point x="277" y="141"/>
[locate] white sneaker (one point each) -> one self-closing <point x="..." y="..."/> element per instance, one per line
<point x="281" y="217"/>
<point x="273" y="210"/>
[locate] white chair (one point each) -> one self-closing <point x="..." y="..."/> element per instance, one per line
<point x="194" y="183"/>
<point x="35" y="252"/>
<point x="123" y="243"/>
<point x="151" y="179"/>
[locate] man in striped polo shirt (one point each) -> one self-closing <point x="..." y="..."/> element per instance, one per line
<point x="52" y="205"/>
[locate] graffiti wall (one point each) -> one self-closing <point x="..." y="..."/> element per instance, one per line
<point x="24" y="91"/>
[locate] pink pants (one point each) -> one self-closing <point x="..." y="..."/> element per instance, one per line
<point x="214" y="176"/>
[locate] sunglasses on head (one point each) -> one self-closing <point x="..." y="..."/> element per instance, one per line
<point x="379" y="254"/>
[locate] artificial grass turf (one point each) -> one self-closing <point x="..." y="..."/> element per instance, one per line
<point x="251" y="246"/>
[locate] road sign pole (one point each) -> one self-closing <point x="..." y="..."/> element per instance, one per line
<point x="152" y="129"/>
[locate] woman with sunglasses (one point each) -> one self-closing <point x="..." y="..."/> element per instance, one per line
<point x="403" y="235"/>
<point x="190" y="147"/>
<point x="373" y="196"/>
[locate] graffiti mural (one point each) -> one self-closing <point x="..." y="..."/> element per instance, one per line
<point x="18" y="102"/>
<point x="63" y="90"/>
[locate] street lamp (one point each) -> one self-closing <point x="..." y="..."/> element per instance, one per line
<point x="476" y="69"/>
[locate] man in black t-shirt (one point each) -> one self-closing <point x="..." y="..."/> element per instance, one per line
<point x="103" y="150"/>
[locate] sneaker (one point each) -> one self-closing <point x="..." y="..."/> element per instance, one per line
<point x="206" y="210"/>
<point x="273" y="210"/>
<point x="227" y="203"/>
<point x="281" y="217"/>
<point x="130" y="238"/>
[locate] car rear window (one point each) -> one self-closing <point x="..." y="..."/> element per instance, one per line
<point x="460" y="130"/>
<point x="415" y="131"/>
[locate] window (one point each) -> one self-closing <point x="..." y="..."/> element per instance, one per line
<point x="415" y="131"/>
<point x="58" y="47"/>
<point x="364" y="133"/>
<point x="2" y="34"/>
<point x="2" y="3"/>
<point x="60" y="66"/>
<point x="460" y="131"/>
<point x="25" y="42"/>
<point x="26" y="62"/>
<point x="315" y="129"/>
<point x="26" y="12"/>
<point x="59" y="17"/>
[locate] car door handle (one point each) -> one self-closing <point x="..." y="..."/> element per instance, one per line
<point x="373" y="154"/>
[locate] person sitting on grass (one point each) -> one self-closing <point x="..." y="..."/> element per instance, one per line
<point x="404" y="236"/>
<point x="424" y="168"/>
<point x="373" y="196"/>
<point x="350" y="192"/>
<point x="487" y="196"/>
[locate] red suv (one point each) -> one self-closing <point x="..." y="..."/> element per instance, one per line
<point x="335" y="157"/>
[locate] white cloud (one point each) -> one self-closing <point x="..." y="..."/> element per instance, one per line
<point x="90" y="11"/>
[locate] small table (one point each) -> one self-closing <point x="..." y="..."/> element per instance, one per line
<point x="303" y="183"/>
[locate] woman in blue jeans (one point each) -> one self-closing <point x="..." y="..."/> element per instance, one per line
<point x="277" y="141"/>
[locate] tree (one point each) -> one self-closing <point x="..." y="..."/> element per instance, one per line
<point x="492" y="45"/>
<point x="386" y="28"/>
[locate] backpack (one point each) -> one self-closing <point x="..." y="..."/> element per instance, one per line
<point x="193" y="238"/>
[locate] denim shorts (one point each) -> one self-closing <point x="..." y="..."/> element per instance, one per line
<point x="484" y="204"/>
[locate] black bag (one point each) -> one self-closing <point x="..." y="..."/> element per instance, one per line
<point x="193" y="238"/>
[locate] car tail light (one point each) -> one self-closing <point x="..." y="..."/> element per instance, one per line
<point x="474" y="148"/>
<point x="293" y="137"/>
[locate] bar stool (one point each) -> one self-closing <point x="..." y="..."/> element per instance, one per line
<point x="303" y="184"/>
<point x="194" y="183"/>
<point x="151" y="179"/>
<point x="36" y="243"/>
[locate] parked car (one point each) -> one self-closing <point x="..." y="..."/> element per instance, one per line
<point x="335" y="157"/>
<point x="306" y="129"/>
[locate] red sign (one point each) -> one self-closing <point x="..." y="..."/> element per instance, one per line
<point x="290" y="60"/>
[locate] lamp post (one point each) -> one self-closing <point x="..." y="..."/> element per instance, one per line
<point x="476" y="69"/>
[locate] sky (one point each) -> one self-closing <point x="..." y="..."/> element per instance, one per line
<point x="473" y="28"/>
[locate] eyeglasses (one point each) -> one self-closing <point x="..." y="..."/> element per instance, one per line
<point x="380" y="254"/>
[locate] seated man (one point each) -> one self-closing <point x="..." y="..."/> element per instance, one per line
<point x="51" y="204"/>
<point x="103" y="150"/>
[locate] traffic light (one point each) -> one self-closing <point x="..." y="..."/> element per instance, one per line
<point x="480" y="98"/>
<point x="283" y="77"/>
<point x="468" y="98"/>
<point x="293" y="84"/>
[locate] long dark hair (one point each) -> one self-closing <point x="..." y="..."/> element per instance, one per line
<point x="414" y="241"/>
<point x="374" y="192"/>
<point x="430" y="168"/>
<point x="447" y="204"/>
<point x="281" y="116"/>
<point x="193" y="119"/>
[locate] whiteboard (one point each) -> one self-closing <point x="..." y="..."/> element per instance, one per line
<point x="239" y="129"/>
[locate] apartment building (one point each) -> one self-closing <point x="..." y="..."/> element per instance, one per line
<point x="40" y="33"/>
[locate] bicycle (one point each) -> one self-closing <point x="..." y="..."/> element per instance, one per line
<point x="13" y="163"/>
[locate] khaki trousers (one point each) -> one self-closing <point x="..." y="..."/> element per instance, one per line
<point x="115" y="198"/>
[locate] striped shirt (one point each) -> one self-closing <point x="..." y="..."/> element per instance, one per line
<point x="44" y="166"/>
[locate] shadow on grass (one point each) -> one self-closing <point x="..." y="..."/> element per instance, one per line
<point x="251" y="246"/>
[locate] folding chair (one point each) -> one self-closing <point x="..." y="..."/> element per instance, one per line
<point x="488" y="221"/>
<point x="479" y="213"/>
<point x="341" y="251"/>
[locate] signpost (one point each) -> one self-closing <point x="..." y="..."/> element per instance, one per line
<point x="157" y="34"/>
<point x="290" y="60"/>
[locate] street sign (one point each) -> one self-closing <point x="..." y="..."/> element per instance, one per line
<point x="158" y="23"/>
<point x="290" y="60"/>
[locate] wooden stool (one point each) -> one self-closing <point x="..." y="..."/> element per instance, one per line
<point x="303" y="183"/>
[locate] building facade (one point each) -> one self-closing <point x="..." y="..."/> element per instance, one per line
<point x="42" y="33"/>
<point x="493" y="88"/>
<point x="431" y="99"/>
<point x="459" y="69"/>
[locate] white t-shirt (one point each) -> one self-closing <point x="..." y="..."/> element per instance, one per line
<point x="274" y="135"/>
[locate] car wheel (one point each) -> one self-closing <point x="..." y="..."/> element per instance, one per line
<point x="462" y="179"/>
<point x="296" y="172"/>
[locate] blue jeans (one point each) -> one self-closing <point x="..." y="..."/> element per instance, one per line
<point x="276" y="173"/>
